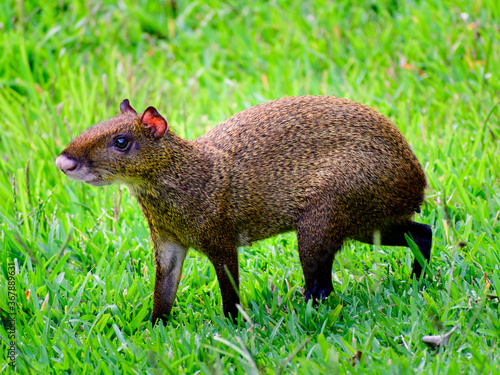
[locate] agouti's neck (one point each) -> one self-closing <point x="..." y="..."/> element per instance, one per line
<point x="180" y="191"/>
<point x="180" y="166"/>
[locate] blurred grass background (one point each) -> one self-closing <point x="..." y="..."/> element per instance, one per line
<point x="84" y="269"/>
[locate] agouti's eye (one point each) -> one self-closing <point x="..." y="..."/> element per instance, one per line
<point x="121" y="143"/>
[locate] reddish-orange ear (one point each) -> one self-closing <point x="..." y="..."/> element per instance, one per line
<point x="126" y="107"/>
<point x="153" y="121"/>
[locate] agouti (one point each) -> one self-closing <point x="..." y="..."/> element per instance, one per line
<point x="325" y="167"/>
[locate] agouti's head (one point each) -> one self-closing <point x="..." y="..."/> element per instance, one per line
<point x="123" y="149"/>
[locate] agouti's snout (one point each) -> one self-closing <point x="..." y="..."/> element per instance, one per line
<point x="66" y="164"/>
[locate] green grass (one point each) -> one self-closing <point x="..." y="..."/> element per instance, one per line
<point x="84" y="267"/>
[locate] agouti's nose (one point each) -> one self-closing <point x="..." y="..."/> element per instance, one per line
<point x="66" y="164"/>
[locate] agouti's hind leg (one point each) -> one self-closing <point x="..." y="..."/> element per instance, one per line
<point x="422" y="235"/>
<point x="318" y="243"/>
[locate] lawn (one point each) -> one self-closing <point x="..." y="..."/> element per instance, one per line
<point x="76" y="265"/>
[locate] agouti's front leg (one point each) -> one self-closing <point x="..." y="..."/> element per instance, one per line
<point x="223" y="254"/>
<point x="230" y="297"/>
<point x="169" y="258"/>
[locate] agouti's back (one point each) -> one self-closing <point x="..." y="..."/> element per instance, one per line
<point x="325" y="167"/>
<point x="285" y="154"/>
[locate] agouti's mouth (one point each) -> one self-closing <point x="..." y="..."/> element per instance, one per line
<point x="79" y="171"/>
<point x="98" y="182"/>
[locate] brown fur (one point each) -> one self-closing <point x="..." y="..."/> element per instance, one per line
<point x="326" y="167"/>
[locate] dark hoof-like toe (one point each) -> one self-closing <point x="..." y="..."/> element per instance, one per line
<point x="232" y="314"/>
<point x="417" y="271"/>
<point x="318" y="292"/>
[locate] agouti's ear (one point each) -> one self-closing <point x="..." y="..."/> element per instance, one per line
<point x="126" y="107"/>
<point x="153" y="121"/>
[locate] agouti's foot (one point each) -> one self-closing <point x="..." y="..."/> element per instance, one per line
<point x="417" y="271"/>
<point x="318" y="292"/>
<point x="156" y="319"/>
<point x="232" y="314"/>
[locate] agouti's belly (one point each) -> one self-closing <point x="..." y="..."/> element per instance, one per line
<point x="248" y="232"/>
<point x="262" y="218"/>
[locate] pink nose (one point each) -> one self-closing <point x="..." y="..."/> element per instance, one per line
<point x="66" y="164"/>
